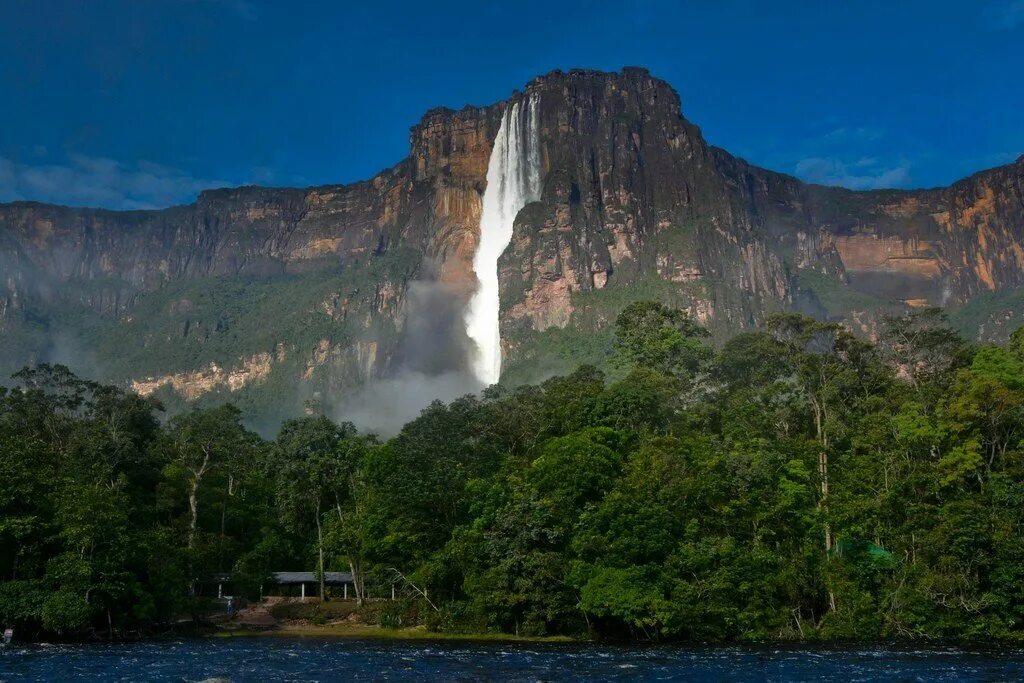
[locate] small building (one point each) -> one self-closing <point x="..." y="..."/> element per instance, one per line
<point x="300" y="582"/>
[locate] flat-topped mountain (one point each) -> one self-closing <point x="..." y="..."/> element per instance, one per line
<point x="276" y="296"/>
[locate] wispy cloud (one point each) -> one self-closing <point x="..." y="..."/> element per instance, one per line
<point x="852" y="155"/>
<point x="101" y="182"/>
<point x="1004" y="15"/>
<point x="864" y="174"/>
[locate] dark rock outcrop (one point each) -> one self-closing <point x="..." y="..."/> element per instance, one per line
<point x="634" y="201"/>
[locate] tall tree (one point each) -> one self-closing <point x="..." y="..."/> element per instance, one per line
<point x="314" y="474"/>
<point x="197" y="444"/>
<point x="652" y="335"/>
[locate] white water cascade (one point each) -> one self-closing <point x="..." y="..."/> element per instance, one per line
<point x="513" y="181"/>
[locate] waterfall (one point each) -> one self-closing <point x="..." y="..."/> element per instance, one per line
<point x="513" y="181"/>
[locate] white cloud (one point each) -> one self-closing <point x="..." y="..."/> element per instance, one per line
<point x="101" y="182"/>
<point x="863" y="174"/>
<point x="852" y="156"/>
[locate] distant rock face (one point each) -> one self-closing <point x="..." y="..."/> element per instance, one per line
<point x="634" y="203"/>
<point x="633" y="193"/>
<point x="192" y="385"/>
<point x="450" y="151"/>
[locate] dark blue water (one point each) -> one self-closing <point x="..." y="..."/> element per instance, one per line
<point x="312" y="659"/>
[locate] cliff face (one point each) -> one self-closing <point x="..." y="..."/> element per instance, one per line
<point x="635" y="199"/>
<point x="308" y="287"/>
<point x="633" y="194"/>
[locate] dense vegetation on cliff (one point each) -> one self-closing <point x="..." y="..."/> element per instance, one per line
<point x="796" y="483"/>
<point x="269" y="297"/>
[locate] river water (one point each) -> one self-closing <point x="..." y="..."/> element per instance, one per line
<point x="314" y="659"/>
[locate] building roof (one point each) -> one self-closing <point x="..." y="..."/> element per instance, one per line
<point x="284" y="578"/>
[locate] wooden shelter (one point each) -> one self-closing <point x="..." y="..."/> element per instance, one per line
<point x="289" y="582"/>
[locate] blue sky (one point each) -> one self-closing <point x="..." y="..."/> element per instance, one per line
<point x="142" y="103"/>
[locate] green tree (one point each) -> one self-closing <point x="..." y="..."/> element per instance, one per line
<point x="196" y="445"/>
<point x="313" y="475"/>
<point x="651" y="335"/>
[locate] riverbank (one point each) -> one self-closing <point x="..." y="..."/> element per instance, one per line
<point x="390" y="620"/>
<point x="346" y="619"/>
<point x="370" y="631"/>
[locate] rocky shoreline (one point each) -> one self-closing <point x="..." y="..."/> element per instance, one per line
<point x="341" y="619"/>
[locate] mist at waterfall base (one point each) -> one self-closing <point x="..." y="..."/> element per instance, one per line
<point x="434" y="364"/>
<point x="447" y="352"/>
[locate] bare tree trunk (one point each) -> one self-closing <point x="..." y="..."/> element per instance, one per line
<point x="823" y="472"/>
<point x="223" y="521"/>
<point x="193" y="517"/>
<point x="220" y="549"/>
<point x="422" y="591"/>
<point x="354" y="564"/>
<point x="819" y="426"/>
<point x="357" y="579"/>
<point x="819" y="417"/>
<point x="193" y="512"/>
<point x="193" y="499"/>
<point x="320" y="544"/>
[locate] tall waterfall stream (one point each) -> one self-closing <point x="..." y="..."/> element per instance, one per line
<point x="513" y="181"/>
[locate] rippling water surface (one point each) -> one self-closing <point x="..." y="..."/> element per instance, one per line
<point x="311" y="659"/>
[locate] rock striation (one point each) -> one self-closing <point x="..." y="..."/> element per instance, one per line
<point x="633" y="202"/>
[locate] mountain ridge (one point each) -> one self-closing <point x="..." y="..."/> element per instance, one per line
<point x="443" y="110"/>
<point x="635" y="203"/>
